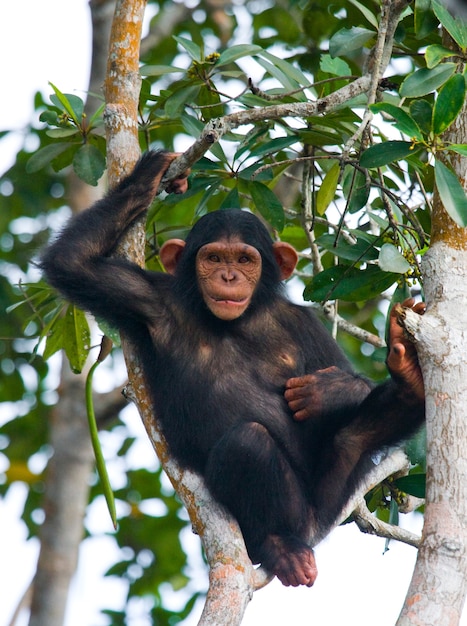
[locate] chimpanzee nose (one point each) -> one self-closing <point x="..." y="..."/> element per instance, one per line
<point x="228" y="275"/>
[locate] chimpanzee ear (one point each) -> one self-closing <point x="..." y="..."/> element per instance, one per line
<point x="286" y="257"/>
<point x="170" y="254"/>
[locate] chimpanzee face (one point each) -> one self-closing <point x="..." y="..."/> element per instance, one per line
<point x="228" y="272"/>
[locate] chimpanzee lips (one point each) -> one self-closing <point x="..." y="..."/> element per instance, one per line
<point x="231" y="300"/>
<point x="227" y="308"/>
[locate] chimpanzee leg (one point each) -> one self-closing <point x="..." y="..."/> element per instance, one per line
<point x="249" y="474"/>
<point x="347" y="455"/>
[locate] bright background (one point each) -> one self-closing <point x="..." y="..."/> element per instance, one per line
<point x="50" y="41"/>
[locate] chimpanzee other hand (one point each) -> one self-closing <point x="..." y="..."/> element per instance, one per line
<point x="324" y="392"/>
<point x="402" y="360"/>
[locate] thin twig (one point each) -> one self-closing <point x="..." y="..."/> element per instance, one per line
<point x="355" y="331"/>
<point x="307" y="214"/>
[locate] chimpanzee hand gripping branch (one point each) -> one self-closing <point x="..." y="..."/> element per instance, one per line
<point x="250" y="390"/>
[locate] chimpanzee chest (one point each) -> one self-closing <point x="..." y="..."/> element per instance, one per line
<point x="204" y="386"/>
<point x="234" y="376"/>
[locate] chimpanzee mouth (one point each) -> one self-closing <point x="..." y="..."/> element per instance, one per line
<point x="230" y="300"/>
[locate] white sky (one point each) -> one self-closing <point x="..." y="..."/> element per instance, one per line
<point x="48" y="40"/>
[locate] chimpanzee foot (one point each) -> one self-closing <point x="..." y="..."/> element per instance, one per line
<point x="291" y="560"/>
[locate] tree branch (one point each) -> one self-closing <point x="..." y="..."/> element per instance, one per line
<point x="393" y="463"/>
<point x="371" y="525"/>
<point x="216" y="128"/>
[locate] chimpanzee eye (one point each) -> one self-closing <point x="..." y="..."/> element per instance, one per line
<point x="244" y="259"/>
<point x="214" y="258"/>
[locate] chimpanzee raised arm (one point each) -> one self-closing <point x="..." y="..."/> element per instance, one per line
<point x="79" y="262"/>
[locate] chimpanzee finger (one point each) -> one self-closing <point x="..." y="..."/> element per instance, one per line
<point x="297" y="405"/>
<point x="179" y="185"/>
<point x="419" y="308"/>
<point x="294" y="393"/>
<point x="299" y="381"/>
<point x="396" y="357"/>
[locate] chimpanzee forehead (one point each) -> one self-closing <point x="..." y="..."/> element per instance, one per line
<point x="230" y="246"/>
<point x="228" y="223"/>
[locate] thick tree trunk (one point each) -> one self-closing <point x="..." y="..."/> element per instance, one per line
<point x="66" y="498"/>
<point x="67" y="482"/>
<point x="439" y="585"/>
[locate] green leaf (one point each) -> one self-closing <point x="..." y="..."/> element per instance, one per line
<point x="403" y="121"/>
<point x="435" y="53"/>
<point x="349" y="39"/>
<point x="327" y="191"/>
<point x="192" y="125"/>
<point x="426" y="80"/>
<point x="210" y="103"/>
<point x="286" y="81"/>
<point x="460" y="148"/>
<point x="456" y="26"/>
<point x="425" y="21"/>
<point x="159" y="70"/>
<point x="334" y="66"/>
<point x="89" y="164"/>
<point x="267" y="204"/>
<point x="44" y="156"/>
<point x="361" y="251"/>
<point x="110" y="331"/>
<point x="96" y="118"/>
<point x="193" y="49"/>
<point x="231" y="200"/>
<point x="73" y="105"/>
<point x="237" y="52"/>
<point x="287" y="68"/>
<point x="452" y="193"/>
<point x="285" y="73"/>
<point x="366" y="12"/>
<point x="316" y="136"/>
<point x="421" y="111"/>
<point x="349" y="283"/>
<point x="393" y="516"/>
<point x="49" y="117"/>
<point x="356" y="189"/>
<point x="65" y="159"/>
<point x="176" y="102"/>
<point x="209" y="191"/>
<point x="414" y="484"/>
<point x="386" y="152"/>
<point x="415" y="447"/>
<point x="449" y="103"/>
<point x="391" y="260"/>
<point x="54" y="339"/>
<point x="77" y="337"/>
<point x="273" y="147"/>
<point x="59" y="133"/>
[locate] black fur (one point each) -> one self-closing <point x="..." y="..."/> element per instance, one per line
<point x="218" y="387"/>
